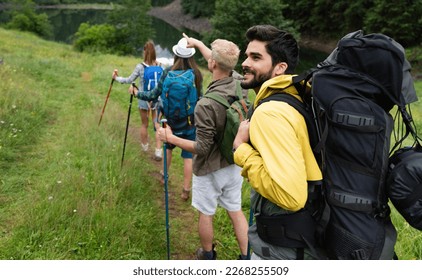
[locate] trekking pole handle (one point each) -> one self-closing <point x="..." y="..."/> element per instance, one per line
<point x="134" y="85"/>
<point x="164" y="123"/>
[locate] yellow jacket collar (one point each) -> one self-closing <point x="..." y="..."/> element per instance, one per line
<point x="282" y="83"/>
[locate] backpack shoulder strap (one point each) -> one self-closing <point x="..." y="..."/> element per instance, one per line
<point x="292" y="101"/>
<point x="289" y="99"/>
<point x="223" y="101"/>
<point x="220" y="99"/>
<point x="304" y="110"/>
<point x="239" y="90"/>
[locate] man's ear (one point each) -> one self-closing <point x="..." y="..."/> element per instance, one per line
<point x="280" y="68"/>
<point x="213" y="64"/>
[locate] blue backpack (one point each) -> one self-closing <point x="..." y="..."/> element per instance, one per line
<point x="151" y="76"/>
<point x="179" y="97"/>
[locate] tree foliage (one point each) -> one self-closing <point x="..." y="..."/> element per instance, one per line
<point x="132" y="23"/>
<point x="233" y="17"/>
<point x="56" y="2"/>
<point x="399" y="19"/>
<point x="198" y="8"/>
<point x="128" y="28"/>
<point x="332" y="19"/>
<point x="23" y="17"/>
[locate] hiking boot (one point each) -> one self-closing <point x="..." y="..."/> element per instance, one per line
<point x="145" y="147"/>
<point x="242" y="257"/>
<point x="157" y="154"/>
<point x="200" y="254"/>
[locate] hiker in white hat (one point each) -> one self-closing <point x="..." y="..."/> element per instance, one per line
<point x="179" y="88"/>
<point x="182" y="50"/>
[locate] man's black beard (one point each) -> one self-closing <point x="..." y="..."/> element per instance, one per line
<point x="257" y="81"/>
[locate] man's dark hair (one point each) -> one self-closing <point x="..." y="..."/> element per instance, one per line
<point x="281" y="45"/>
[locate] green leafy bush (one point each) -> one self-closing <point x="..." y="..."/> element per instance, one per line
<point x="25" y="18"/>
<point x="95" y="38"/>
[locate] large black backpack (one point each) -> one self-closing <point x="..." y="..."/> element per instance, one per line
<point x="353" y="92"/>
<point x="348" y="109"/>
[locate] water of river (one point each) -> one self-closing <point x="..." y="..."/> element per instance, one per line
<point x="66" y="22"/>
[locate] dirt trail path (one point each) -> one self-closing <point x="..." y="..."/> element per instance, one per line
<point x="182" y="216"/>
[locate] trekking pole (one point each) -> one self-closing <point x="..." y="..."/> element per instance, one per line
<point x="108" y="95"/>
<point x="165" y="171"/>
<point x="127" y="124"/>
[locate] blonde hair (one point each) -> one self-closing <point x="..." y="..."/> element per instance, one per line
<point x="225" y="53"/>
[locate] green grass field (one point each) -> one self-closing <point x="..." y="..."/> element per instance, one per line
<point x="63" y="194"/>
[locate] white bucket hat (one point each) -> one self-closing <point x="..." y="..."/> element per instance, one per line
<point x="181" y="50"/>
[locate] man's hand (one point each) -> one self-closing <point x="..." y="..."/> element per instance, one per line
<point x="195" y="43"/>
<point x="164" y="133"/>
<point x="242" y="135"/>
<point x="192" y="42"/>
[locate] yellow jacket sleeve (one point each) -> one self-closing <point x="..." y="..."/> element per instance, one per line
<point x="280" y="161"/>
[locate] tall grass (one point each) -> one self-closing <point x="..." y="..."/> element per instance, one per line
<point x="63" y="194"/>
<point x="409" y="240"/>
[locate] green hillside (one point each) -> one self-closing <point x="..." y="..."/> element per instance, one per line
<point x="63" y="194"/>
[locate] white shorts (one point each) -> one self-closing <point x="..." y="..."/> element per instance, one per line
<point x="222" y="187"/>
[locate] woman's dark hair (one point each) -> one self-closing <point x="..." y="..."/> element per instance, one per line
<point x="189" y="63"/>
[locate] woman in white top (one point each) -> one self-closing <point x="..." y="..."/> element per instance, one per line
<point x="145" y="107"/>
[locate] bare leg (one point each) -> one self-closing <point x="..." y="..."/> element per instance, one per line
<point x="187" y="172"/>
<point x="169" y="156"/>
<point x="240" y="226"/>
<point x="206" y="231"/>
<point x="144" y="127"/>
<point x="158" y="143"/>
